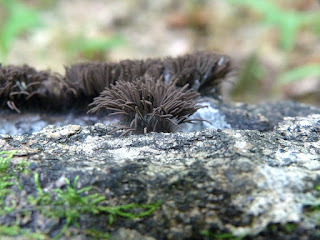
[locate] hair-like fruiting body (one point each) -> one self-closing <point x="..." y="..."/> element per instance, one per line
<point x="86" y="81"/>
<point x="147" y="104"/>
<point x="203" y="71"/>
<point x="23" y="87"/>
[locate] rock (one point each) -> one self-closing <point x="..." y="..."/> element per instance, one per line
<point x="262" y="117"/>
<point x="128" y="234"/>
<point x="256" y="180"/>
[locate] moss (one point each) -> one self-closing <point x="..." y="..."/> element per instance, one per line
<point x="17" y="231"/>
<point x="6" y="180"/>
<point x="65" y="205"/>
<point x="211" y="235"/>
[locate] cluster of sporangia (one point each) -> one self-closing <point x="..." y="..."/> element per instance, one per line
<point x="149" y="95"/>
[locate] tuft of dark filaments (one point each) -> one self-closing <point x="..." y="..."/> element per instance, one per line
<point x="148" y="104"/>
<point x="23" y="86"/>
<point x="203" y="71"/>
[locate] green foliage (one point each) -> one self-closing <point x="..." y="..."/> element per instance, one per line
<point x="315" y="206"/>
<point x="9" y="231"/>
<point x="43" y="198"/>
<point x="249" y="78"/>
<point x="13" y="231"/>
<point x="91" y="48"/>
<point x="289" y="227"/>
<point x="5" y="157"/>
<point x="288" y="22"/>
<point x="220" y="236"/>
<point x="276" y="228"/>
<point x="97" y="234"/>
<point x="44" y="4"/>
<point x="67" y="204"/>
<point x="6" y="180"/>
<point x="296" y="74"/>
<point x="71" y="203"/>
<point x="20" y="18"/>
<point x="125" y="210"/>
<point x="5" y="183"/>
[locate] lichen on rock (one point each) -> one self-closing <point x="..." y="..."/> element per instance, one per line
<point x="213" y="181"/>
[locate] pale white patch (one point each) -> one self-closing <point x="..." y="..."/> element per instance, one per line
<point x="214" y="119"/>
<point x="89" y="145"/>
<point x="221" y="60"/>
<point x="63" y="131"/>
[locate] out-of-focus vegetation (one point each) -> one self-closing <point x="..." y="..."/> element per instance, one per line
<point x="90" y="48"/>
<point x="310" y="70"/>
<point x="271" y="41"/>
<point x="289" y="23"/>
<point x="250" y="77"/>
<point x="18" y="18"/>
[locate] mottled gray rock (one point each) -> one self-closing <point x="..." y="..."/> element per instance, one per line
<point x="262" y="117"/>
<point x="125" y="234"/>
<point x="245" y="182"/>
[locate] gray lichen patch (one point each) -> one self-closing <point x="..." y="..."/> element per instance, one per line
<point x="62" y="132"/>
<point x="303" y="128"/>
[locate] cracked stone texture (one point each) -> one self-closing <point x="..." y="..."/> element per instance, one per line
<point x="239" y="180"/>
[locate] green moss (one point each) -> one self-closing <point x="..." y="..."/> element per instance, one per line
<point x="17" y="231"/>
<point x="275" y="229"/>
<point x="71" y="203"/>
<point x="6" y="180"/>
<point x="65" y="205"/>
<point x="5" y="157"/>
<point x="313" y="209"/>
<point x="289" y="227"/>
<point x="97" y="234"/>
<point x="212" y="235"/>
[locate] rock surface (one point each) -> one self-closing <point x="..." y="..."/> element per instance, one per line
<point x="251" y="181"/>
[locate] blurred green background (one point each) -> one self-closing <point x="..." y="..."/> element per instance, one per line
<point x="275" y="44"/>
